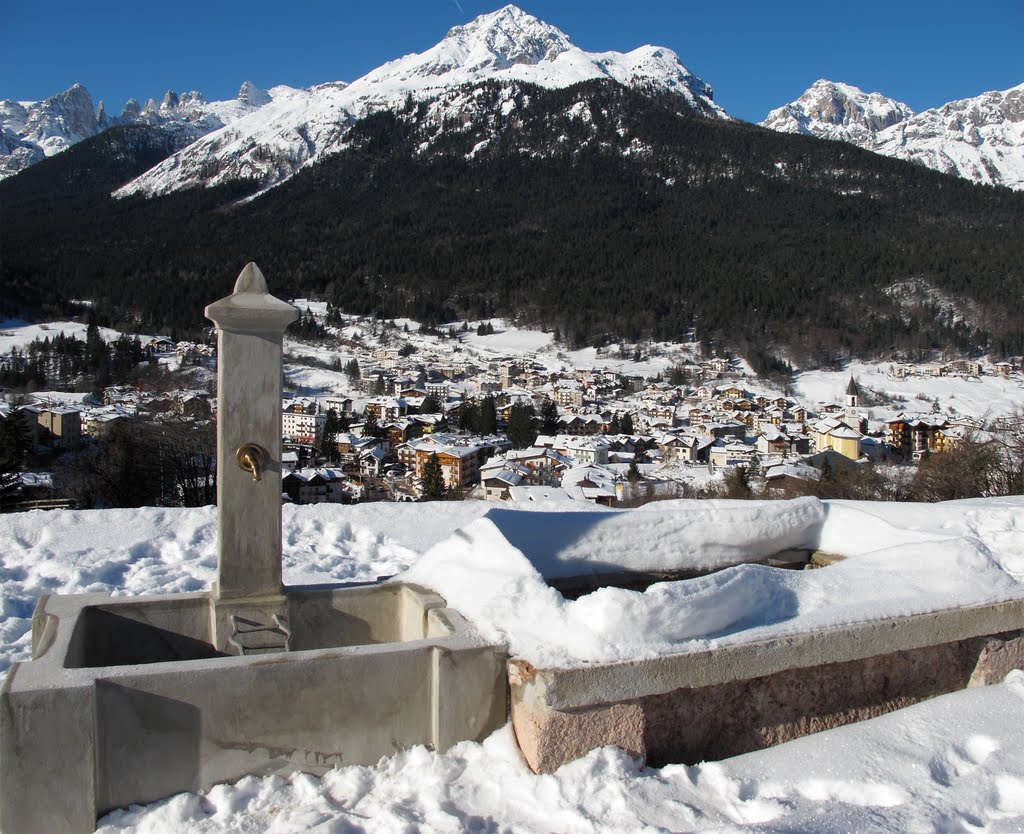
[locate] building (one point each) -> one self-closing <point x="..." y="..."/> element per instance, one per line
<point x="911" y="436"/>
<point x="302" y="420"/>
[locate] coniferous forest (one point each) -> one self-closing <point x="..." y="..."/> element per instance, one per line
<point x="641" y="220"/>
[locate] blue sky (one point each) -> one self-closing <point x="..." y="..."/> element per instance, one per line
<point x="756" y="55"/>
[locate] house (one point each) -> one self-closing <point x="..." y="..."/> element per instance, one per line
<point x="371" y="461"/>
<point x="460" y="456"/>
<point x="316" y="486"/>
<point x="772" y="441"/>
<point x="962" y="367"/>
<point x="568" y="393"/>
<point x="59" y="428"/>
<point x="544" y="466"/>
<point x="789" y="479"/>
<point x="537" y="494"/>
<point x="911" y="436"/>
<point x="96" y="422"/>
<point x="588" y="451"/>
<point x="498" y="479"/>
<point x="591" y="483"/>
<point x="386" y="408"/>
<point x="341" y="405"/>
<point x="729" y="453"/>
<point x="439" y="389"/>
<point x="679" y="449"/>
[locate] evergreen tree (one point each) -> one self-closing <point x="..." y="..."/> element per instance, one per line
<point x="432" y="486"/>
<point x="469" y="416"/>
<point x="327" y="440"/>
<point x="430" y="405"/>
<point x="15" y="442"/>
<point x="615" y="425"/>
<point x="626" y="424"/>
<point x="488" y="417"/>
<point x="352" y="370"/>
<point x="378" y="386"/>
<point x="549" y="418"/>
<point x="522" y="429"/>
<point x="633" y="473"/>
<point x="371" y="428"/>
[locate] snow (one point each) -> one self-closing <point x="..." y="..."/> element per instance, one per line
<point x="16" y="333"/>
<point x="494" y="571"/>
<point x="952" y="763"/>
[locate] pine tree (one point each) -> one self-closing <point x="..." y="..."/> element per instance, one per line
<point x="549" y="417"/>
<point x="371" y="428"/>
<point x="432" y="486"/>
<point x="626" y="424"/>
<point x="633" y="473"/>
<point x="488" y="419"/>
<point x="521" y="430"/>
<point x="469" y="416"/>
<point x="327" y="440"/>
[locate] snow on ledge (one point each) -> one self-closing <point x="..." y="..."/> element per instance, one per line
<point x="905" y="559"/>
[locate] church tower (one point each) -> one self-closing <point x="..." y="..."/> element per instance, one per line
<point x="852" y="395"/>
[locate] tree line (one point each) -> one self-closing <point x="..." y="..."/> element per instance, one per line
<point x="724" y="231"/>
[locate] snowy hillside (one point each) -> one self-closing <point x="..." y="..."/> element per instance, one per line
<point x="506" y="46"/>
<point x="952" y="763"/>
<point x="980" y="138"/>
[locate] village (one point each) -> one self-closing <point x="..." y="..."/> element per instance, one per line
<point x="383" y="413"/>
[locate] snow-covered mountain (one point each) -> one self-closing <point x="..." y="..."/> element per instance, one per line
<point x="979" y="138"/>
<point x="830" y="110"/>
<point x="31" y="131"/>
<point x="507" y="47"/>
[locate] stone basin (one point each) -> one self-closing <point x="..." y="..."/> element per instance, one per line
<point x="128" y="700"/>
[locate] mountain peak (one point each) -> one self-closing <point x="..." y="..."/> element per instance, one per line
<point x="834" y="110"/>
<point x="513" y="34"/>
<point x="252" y="95"/>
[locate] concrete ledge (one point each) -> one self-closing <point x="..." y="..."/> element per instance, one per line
<point x="714" y="704"/>
<point x="584" y="686"/>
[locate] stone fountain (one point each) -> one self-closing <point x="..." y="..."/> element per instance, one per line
<point x="133" y="699"/>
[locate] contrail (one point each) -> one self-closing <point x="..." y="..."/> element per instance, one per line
<point x="458" y="5"/>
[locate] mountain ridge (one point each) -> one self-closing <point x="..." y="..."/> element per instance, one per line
<point x="980" y="138"/>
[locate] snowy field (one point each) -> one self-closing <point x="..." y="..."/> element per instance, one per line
<point x="955" y="763"/>
<point x="979" y="397"/>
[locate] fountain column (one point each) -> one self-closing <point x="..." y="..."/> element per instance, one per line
<point x="251" y="325"/>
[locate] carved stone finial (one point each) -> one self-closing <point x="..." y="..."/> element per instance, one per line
<point x="251" y="280"/>
<point x="251" y="308"/>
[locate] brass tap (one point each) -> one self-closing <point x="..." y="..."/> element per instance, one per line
<point x="251" y="458"/>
